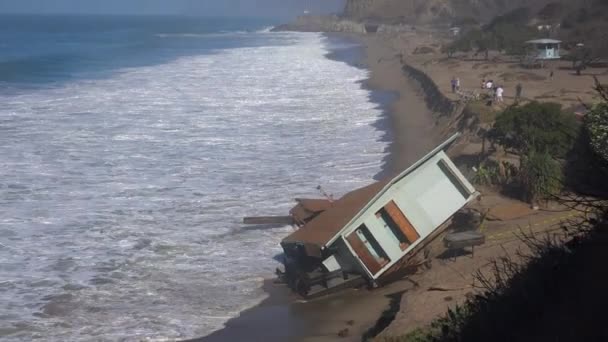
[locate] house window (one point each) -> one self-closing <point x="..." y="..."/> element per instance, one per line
<point x="372" y="245"/>
<point x="453" y="179"/>
<point x="392" y="229"/>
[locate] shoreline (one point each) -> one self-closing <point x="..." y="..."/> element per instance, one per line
<point x="412" y="124"/>
<point x="409" y="129"/>
<point x="408" y="119"/>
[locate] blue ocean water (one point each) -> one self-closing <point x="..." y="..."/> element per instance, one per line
<point x="131" y="149"/>
<point x="36" y="49"/>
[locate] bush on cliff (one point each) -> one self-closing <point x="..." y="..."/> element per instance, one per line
<point x="587" y="167"/>
<point x="540" y="176"/>
<point x="596" y="123"/>
<point x="542" y="127"/>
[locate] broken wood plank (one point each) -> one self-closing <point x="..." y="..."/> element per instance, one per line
<point x="268" y="220"/>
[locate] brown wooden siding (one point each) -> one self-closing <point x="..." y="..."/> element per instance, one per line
<point x="366" y="257"/>
<point x="404" y="224"/>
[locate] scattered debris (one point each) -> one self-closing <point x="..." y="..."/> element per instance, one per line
<point x="447" y="289"/>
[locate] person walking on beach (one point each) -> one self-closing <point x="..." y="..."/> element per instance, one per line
<point x="518" y="90"/>
<point x="457" y="83"/>
<point x="453" y="83"/>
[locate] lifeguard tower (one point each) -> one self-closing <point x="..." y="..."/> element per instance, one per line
<point x="542" y="50"/>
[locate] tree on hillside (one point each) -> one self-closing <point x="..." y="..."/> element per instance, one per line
<point x="484" y="43"/>
<point x="518" y="17"/>
<point x="511" y="38"/>
<point x="475" y="39"/>
<point x="542" y="127"/>
<point x="580" y="57"/>
<point x="463" y="43"/>
<point x="505" y="33"/>
<point x="596" y="122"/>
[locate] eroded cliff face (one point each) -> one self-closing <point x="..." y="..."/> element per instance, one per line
<point x="432" y="11"/>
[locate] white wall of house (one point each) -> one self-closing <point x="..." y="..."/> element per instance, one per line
<point x="426" y="196"/>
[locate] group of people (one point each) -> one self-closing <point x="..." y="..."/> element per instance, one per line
<point x="496" y="90"/>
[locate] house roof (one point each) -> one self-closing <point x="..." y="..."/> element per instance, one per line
<point x="308" y="208"/>
<point x="325" y="226"/>
<point x="544" y="41"/>
<point x="324" y="229"/>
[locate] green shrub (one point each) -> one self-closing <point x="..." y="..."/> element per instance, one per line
<point x="541" y="176"/>
<point x="542" y="127"/>
<point x="486" y="174"/>
<point x="596" y="123"/>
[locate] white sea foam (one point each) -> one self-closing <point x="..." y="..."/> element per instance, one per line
<point x="267" y="29"/>
<point x="123" y="224"/>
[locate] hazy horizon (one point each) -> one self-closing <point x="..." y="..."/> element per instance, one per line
<point x="225" y="8"/>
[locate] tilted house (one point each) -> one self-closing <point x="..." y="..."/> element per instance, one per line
<point x="369" y="233"/>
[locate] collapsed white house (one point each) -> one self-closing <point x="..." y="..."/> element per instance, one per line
<point x="372" y="233"/>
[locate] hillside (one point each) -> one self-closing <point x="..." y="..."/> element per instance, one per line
<point x="573" y="21"/>
<point x="433" y="11"/>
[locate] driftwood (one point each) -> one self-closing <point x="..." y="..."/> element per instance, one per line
<point x="446" y="289"/>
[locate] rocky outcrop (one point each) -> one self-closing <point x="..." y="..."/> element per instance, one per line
<point x="316" y="23"/>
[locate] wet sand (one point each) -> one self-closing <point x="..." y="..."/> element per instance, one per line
<point x="410" y="122"/>
<point x="282" y="317"/>
<point x="273" y="320"/>
<point x="349" y="315"/>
